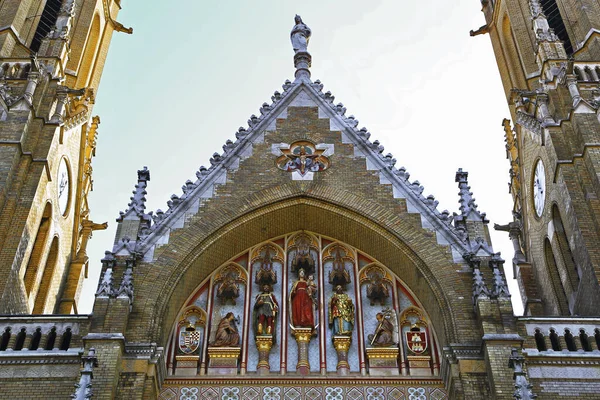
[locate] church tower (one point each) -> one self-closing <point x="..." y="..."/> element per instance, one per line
<point x="52" y="53"/>
<point x="548" y="54"/>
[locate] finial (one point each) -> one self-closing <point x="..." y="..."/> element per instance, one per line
<point x="300" y="36"/>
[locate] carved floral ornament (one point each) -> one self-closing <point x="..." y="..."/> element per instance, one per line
<point x="303" y="158"/>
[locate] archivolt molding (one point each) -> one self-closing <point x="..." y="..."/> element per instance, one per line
<point x="383" y="229"/>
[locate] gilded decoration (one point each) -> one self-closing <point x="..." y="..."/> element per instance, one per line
<point x="253" y="327"/>
<point x="339" y="274"/>
<point x="378" y="284"/>
<point x="265" y="257"/>
<point x="302" y="157"/>
<point x="229" y="279"/>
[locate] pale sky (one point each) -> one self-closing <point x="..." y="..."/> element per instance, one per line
<point x="194" y="71"/>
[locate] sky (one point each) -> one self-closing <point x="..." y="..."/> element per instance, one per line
<point x="194" y="71"/>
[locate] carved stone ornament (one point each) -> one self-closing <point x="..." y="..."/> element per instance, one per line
<point x="228" y="280"/>
<point x="416" y="340"/>
<point x="189" y="339"/>
<point x="302" y="157"/>
<point x="339" y="275"/>
<point x="266" y="274"/>
<point x="377" y="289"/>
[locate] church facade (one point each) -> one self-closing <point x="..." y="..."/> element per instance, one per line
<point x="302" y="263"/>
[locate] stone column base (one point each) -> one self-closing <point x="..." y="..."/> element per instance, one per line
<point x="264" y="343"/>
<point x="187" y="365"/>
<point x="342" y="344"/>
<point x="223" y="360"/>
<point x="383" y="361"/>
<point x="419" y="365"/>
<point x="303" y="337"/>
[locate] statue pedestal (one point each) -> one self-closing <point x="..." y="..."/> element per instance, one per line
<point x="342" y="344"/>
<point x="383" y="361"/>
<point x="187" y="365"/>
<point x="223" y="360"/>
<point x="303" y="337"/>
<point x="264" y="343"/>
<point x="419" y="365"/>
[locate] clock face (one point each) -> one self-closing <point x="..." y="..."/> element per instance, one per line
<point x="539" y="188"/>
<point x="63" y="186"/>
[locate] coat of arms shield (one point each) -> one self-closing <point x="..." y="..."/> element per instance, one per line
<point x="416" y="341"/>
<point x="189" y="341"/>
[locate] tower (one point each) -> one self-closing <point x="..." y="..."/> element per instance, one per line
<point x="52" y="53"/>
<point x="548" y="54"/>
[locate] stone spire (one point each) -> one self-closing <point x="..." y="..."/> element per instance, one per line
<point x="499" y="288"/>
<point x="83" y="389"/>
<point x="138" y="200"/>
<point x="105" y="288"/>
<point x="300" y="36"/>
<point x="466" y="199"/>
<point x="480" y="289"/>
<point x="522" y="386"/>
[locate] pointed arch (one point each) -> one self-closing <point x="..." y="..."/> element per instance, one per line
<point x="41" y="300"/>
<point x="560" y="306"/>
<point x="33" y="271"/>
<point x="86" y="66"/>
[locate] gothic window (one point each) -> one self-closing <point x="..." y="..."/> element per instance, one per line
<point x="303" y="304"/>
<point x="20" y="339"/>
<point x="556" y="22"/>
<point x="46" y="24"/>
<point x="50" y="339"/>
<point x="31" y="277"/>
<point x="35" y="340"/>
<point x="585" y="342"/>
<point x="41" y="300"/>
<point x="66" y="340"/>
<point x="554" y="340"/>
<point x="570" y="340"/>
<point x="540" y="342"/>
<point x="558" y="294"/>
<point x="5" y="339"/>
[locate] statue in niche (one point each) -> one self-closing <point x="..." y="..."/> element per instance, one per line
<point x="312" y="288"/>
<point x="384" y="333"/>
<point x="265" y="312"/>
<point x="300" y="35"/>
<point x="229" y="288"/>
<point x="303" y="259"/>
<point x="266" y="275"/>
<point x="377" y="291"/>
<point x="338" y="274"/>
<point x="341" y="313"/>
<point x="302" y="303"/>
<point x="227" y="333"/>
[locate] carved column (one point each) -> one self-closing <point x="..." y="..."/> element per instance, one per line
<point x="573" y="89"/>
<point x="303" y="337"/>
<point x="342" y="345"/>
<point x="264" y="343"/>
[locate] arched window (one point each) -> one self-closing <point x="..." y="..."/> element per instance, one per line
<point x="554" y="340"/>
<point x="568" y="268"/>
<point x="558" y="293"/>
<point x="41" y="299"/>
<point x="35" y="340"/>
<point x="20" y="339"/>
<point x="540" y="342"/>
<point x="556" y="22"/>
<point x="46" y="24"/>
<point x="86" y="67"/>
<point x="570" y="340"/>
<point x="585" y="341"/>
<point x="37" y="256"/>
<point x="5" y="339"/>
<point x="51" y="339"/>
